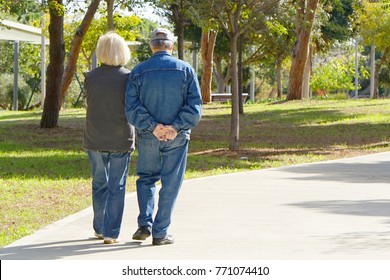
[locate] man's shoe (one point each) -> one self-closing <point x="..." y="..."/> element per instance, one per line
<point x="99" y="236"/>
<point x="168" y="239"/>
<point x="108" y="240"/>
<point x="142" y="233"/>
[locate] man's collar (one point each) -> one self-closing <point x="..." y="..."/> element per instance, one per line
<point x="161" y="52"/>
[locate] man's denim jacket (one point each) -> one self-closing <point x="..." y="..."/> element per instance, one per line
<point x="165" y="90"/>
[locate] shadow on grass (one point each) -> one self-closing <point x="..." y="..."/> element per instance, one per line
<point x="45" y="167"/>
<point x="295" y="116"/>
<point x="264" y="137"/>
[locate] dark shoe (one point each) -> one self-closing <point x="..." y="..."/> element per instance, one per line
<point x="142" y="233"/>
<point x="168" y="239"/>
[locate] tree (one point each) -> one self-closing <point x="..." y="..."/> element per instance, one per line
<point x="57" y="78"/>
<point x="207" y="39"/>
<point x="338" y="24"/>
<point x="236" y="18"/>
<point x="207" y="50"/>
<point x="126" y="26"/>
<point x="74" y="52"/>
<point x="374" y="29"/>
<point x="334" y="74"/>
<point x="177" y="11"/>
<point x="304" y="20"/>
<point x="178" y="16"/>
<point x="110" y="14"/>
<point x="317" y="28"/>
<point x="55" y="68"/>
<point x="221" y="59"/>
<point x="333" y="26"/>
<point x="274" y="43"/>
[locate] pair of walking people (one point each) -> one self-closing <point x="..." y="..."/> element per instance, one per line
<point x="157" y="103"/>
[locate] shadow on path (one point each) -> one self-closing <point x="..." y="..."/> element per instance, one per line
<point x="348" y="172"/>
<point x="373" y="208"/>
<point x="58" y="250"/>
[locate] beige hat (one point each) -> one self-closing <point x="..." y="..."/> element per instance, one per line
<point x="162" y="34"/>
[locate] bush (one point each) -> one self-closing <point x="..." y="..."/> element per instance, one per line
<point x="7" y="91"/>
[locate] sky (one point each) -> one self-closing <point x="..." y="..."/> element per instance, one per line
<point x="147" y="11"/>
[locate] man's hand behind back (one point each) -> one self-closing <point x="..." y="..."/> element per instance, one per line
<point x="164" y="132"/>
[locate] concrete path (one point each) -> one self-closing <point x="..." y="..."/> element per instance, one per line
<point x="334" y="210"/>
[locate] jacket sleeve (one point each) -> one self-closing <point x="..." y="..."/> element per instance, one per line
<point x="191" y="112"/>
<point x="136" y="113"/>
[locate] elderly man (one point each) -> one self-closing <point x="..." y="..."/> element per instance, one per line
<point x="163" y="102"/>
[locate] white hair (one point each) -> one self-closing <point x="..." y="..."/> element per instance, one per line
<point x="112" y="50"/>
<point x="161" y="44"/>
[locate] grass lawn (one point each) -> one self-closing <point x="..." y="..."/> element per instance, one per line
<point x="45" y="176"/>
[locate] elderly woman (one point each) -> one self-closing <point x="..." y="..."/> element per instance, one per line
<point x="108" y="137"/>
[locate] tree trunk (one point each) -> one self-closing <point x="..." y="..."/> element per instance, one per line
<point x="55" y="70"/>
<point x="377" y="71"/>
<point x="207" y="51"/>
<point x="279" y="88"/>
<point x="300" y="52"/>
<point x="78" y="38"/>
<point x="306" y="77"/>
<point x="180" y="42"/>
<point x="179" y="20"/>
<point x="234" y="143"/>
<point x="221" y="80"/>
<point x="240" y="78"/>
<point x="110" y="14"/>
<point x="372" y="73"/>
<point x="295" y="83"/>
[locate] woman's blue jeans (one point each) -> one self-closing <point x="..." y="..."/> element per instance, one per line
<point x="165" y="161"/>
<point x="109" y="175"/>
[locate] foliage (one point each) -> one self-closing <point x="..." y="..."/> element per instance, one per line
<point x="7" y="89"/>
<point x="340" y="22"/>
<point x="334" y="75"/>
<point x="126" y="26"/>
<point x="56" y="8"/>
<point x="29" y="63"/>
<point x="384" y="77"/>
<point x="166" y="8"/>
<point x="273" y="43"/>
<point x="374" y="25"/>
<point x="335" y="71"/>
<point x="143" y="50"/>
<point x="25" y="10"/>
<point x="7" y="60"/>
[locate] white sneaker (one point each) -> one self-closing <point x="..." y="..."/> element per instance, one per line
<point x="99" y="236"/>
<point x="109" y="240"/>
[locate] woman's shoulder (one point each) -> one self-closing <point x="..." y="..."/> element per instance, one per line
<point x="124" y="70"/>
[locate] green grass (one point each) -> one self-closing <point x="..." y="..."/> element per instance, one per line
<point x="45" y="174"/>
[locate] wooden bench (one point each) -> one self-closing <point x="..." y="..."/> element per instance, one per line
<point x="226" y="97"/>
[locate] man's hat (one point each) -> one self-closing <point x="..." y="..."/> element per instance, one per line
<point x="162" y="34"/>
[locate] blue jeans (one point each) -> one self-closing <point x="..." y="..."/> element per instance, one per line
<point x="109" y="174"/>
<point x="165" y="160"/>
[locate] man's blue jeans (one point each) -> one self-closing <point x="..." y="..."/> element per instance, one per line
<point x="165" y="160"/>
<point x="109" y="175"/>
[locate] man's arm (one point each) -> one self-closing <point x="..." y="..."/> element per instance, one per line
<point x="191" y="112"/>
<point x="136" y="113"/>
